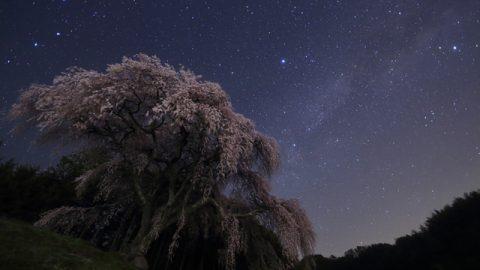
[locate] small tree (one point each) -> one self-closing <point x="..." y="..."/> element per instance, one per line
<point x="175" y="147"/>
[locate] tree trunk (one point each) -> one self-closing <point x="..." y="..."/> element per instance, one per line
<point x="138" y="252"/>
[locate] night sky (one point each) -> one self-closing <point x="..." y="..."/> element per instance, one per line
<point x="375" y="104"/>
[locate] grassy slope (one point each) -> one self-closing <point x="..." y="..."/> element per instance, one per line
<point x="23" y="246"/>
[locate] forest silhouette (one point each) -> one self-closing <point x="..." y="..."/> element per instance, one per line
<point x="449" y="239"/>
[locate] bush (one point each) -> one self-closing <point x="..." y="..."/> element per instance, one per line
<point x="26" y="191"/>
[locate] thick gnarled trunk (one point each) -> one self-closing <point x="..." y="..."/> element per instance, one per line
<point x="138" y="251"/>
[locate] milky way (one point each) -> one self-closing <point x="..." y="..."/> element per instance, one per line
<point x="375" y="104"/>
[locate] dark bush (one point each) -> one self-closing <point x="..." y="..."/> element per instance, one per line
<point x="26" y="191"/>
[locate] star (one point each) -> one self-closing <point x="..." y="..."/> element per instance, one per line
<point x="455" y="47"/>
<point x="35" y="44"/>
<point x="58" y="34"/>
<point x="283" y="61"/>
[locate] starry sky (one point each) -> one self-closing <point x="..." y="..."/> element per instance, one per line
<point x="375" y="104"/>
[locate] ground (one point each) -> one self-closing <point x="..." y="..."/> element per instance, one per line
<point x="23" y="246"/>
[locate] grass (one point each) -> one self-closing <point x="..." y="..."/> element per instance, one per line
<point x="23" y="246"/>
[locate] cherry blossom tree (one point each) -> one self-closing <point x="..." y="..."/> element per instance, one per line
<point x="173" y="148"/>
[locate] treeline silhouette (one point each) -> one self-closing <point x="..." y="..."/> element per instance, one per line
<point x="27" y="191"/>
<point x="449" y="239"/>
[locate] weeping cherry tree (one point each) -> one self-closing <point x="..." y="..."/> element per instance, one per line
<point x="173" y="148"/>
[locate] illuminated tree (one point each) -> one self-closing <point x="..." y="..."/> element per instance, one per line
<point x="173" y="147"/>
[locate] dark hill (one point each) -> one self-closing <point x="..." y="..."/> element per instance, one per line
<point x="450" y="239"/>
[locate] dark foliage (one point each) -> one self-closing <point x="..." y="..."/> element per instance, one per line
<point x="27" y="191"/>
<point x="450" y="239"/>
